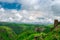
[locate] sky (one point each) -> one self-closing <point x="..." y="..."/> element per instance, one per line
<point x="29" y="11"/>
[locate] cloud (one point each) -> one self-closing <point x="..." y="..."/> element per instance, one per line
<point x="9" y="15"/>
<point x="39" y="11"/>
<point x="56" y="8"/>
<point x="24" y="16"/>
<point x="42" y="5"/>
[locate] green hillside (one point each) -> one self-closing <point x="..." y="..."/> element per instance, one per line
<point x="14" y="31"/>
<point x="7" y="33"/>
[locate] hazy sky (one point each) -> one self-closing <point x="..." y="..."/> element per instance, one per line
<point x="29" y="11"/>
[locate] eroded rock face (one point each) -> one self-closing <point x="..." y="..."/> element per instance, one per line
<point x="39" y="29"/>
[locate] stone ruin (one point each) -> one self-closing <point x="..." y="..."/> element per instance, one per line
<point x="56" y="23"/>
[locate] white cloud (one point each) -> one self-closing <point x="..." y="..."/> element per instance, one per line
<point x="32" y="11"/>
<point x="56" y="8"/>
<point x="21" y="16"/>
<point x="24" y="16"/>
<point x="2" y="10"/>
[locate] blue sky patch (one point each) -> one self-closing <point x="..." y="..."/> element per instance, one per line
<point x="6" y="5"/>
